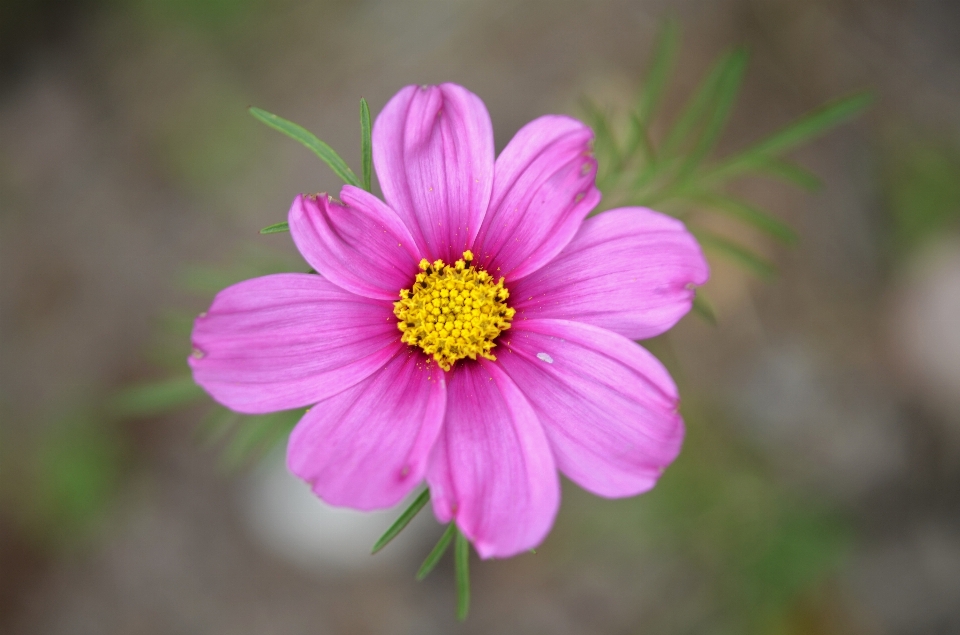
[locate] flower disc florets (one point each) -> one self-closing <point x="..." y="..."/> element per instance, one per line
<point x="453" y="311"/>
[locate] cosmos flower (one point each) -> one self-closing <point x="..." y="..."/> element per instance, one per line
<point x="474" y="329"/>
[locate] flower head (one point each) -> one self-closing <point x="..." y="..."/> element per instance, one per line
<point x="453" y="311"/>
<point x="472" y="330"/>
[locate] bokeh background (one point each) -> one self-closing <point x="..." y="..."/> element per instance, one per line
<point x="819" y="489"/>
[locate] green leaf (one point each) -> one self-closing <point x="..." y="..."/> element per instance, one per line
<point x="276" y="228"/>
<point x="791" y="172"/>
<point x="604" y="140"/>
<point x="801" y="130"/>
<point x="257" y="435"/>
<point x="308" y="139"/>
<point x="652" y="89"/>
<point x="642" y="141"/>
<point x="366" y="145"/>
<point x="736" y="252"/>
<point x="434" y="556"/>
<point x="732" y="68"/>
<point x="155" y="398"/>
<point x="461" y="560"/>
<point x="215" y="426"/>
<point x="750" y="215"/>
<point x="922" y="189"/>
<point x="698" y="106"/>
<point x="74" y="474"/>
<point x="402" y="521"/>
<point x="703" y="308"/>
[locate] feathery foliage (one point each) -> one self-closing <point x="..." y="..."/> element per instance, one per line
<point x="677" y="174"/>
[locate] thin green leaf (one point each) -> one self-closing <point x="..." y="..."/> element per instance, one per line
<point x="812" y="124"/>
<point x="249" y="436"/>
<point x="215" y="426"/>
<point x="650" y="172"/>
<point x="366" y="145"/>
<point x="703" y="308"/>
<point x="461" y="560"/>
<point x="308" y="139"/>
<point x="641" y="141"/>
<point x="402" y="521"/>
<point x="605" y="147"/>
<point x="750" y="215"/>
<point x="276" y="228"/>
<point x="652" y="89"/>
<point x="663" y="194"/>
<point x="604" y="140"/>
<point x="155" y="398"/>
<point x="434" y="556"/>
<point x="732" y="68"/>
<point x="801" y="130"/>
<point x="281" y="429"/>
<point x="787" y="171"/>
<point x="696" y="108"/>
<point x="256" y="435"/>
<point x="736" y="252"/>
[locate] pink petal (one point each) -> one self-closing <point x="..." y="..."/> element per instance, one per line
<point x="289" y="340"/>
<point x="629" y="270"/>
<point x="360" y="245"/>
<point x="608" y="406"/>
<point x="433" y="150"/>
<point x="491" y="468"/>
<point x="367" y="446"/>
<point x="543" y="188"/>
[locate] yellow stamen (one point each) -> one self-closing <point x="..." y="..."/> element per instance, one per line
<point x="453" y="311"/>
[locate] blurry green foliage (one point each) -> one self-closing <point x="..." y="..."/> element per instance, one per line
<point x="758" y="549"/>
<point x="242" y="439"/>
<point x="761" y="545"/>
<point x="921" y="181"/>
<point x="676" y="174"/>
<point x="246" y="439"/>
<point x="170" y="342"/>
<point x="71" y="473"/>
<point x="155" y="398"/>
<point x="205" y="141"/>
<point x="210" y="16"/>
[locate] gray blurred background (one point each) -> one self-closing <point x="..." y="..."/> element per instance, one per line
<point x="819" y="490"/>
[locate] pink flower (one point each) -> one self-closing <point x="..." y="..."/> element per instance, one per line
<point x="474" y="330"/>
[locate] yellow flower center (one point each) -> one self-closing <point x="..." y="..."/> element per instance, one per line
<point x="453" y="311"/>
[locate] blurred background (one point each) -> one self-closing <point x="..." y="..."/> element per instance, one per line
<point x="819" y="488"/>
